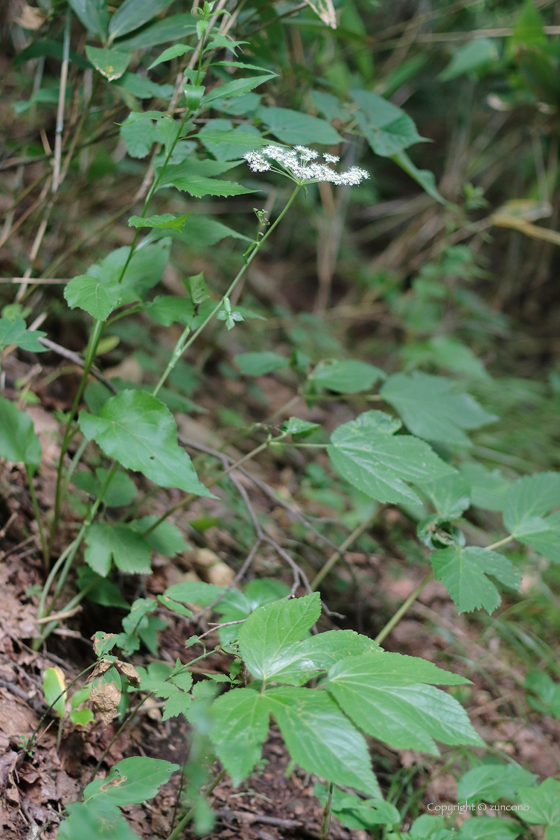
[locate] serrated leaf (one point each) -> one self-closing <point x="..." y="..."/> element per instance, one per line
<point x="321" y="739"/>
<point x="18" y="441"/>
<point x="240" y="727"/>
<point x="433" y="408"/>
<point x="16" y="332"/>
<point x="167" y="309"/>
<point x="167" y="539"/>
<point x="236" y="88"/>
<point x="132" y="14"/>
<point x="139" y="132"/>
<point x="94" y="297"/>
<point x="544" y="805"/>
<point x="114" y="541"/>
<point x="526" y="503"/>
<point x="385" y="695"/>
<point x="346" y="377"/>
<point x="259" y="364"/>
<point x="226" y="143"/>
<point x="171" y="52"/>
<point x="93" y="14"/>
<point x="299" y="429"/>
<point x="143" y="270"/>
<point x="464" y="573"/>
<point x="272" y="627"/>
<point x="489" y="828"/>
<point x="449" y="495"/>
<point x="174" y="686"/>
<point x="198" y="186"/>
<point x="470" y="57"/>
<point x="354" y="812"/>
<point x="488" y="488"/>
<point x="367" y="455"/>
<point x="140" y="432"/>
<point x="194" y="592"/>
<point x="110" y="63"/>
<point x="491" y="782"/>
<point x="387" y="128"/>
<point x="164" y="222"/>
<point x="236" y="605"/>
<point x="131" y="780"/>
<point x="296" y="128"/>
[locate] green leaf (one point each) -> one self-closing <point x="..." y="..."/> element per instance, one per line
<point x="456" y="356"/>
<point x="273" y="626"/>
<point x="433" y="409"/>
<point x="139" y="133"/>
<point x="167" y="539"/>
<point x="546" y="690"/>
<point x="169" y="29"/>
<point x="93" y="296"/>
<point x="197" y="288"/>
<point x="53" y="684"/>
<point x="472" y="56"/>
<point x="102" y="591"/>
<point x="140" y="432"/>
<point x="320" y="738"/>
<point x="489" y="828"/>
<point x="143" y="271"/>
<point x="131" y="780"/>
<point x="165" y="222"/>
<point x="527" y="501"/>
<point x="348" y="377"/>
<point x="227" y="144"/>
<point x="167" y="309"/>
<point x="240" y="727"/>
<point x="544" y="805"/>
<point x="237" y="605"/>
<point x="144" y="88"/>
<point x="424" y="177"/>
<point x="259" y="364"/>
<point x="464" y="573"/>
<point x="201" y="232"/>
<point x="174" y="686"/>
<point x="299" y="429"/>
<point x="131" y="15"/>
<point x="114" y="541"/>
<point x="295" y="128"/>
<point x="367" y="455"/>
<point x="81" y="717"/>
<point x="383" y="694"/>
<point x="16" y="332"/>
<point x="491" y="782"/>
<point x="387" y="128"/>
<point x="110" y="63"/>
<point x="121" y="491"/>
<point x="18" y="441"/>
<point x="449" y="495"/>
<point x="93" y="14"/>
<point x="236" y="88"/>
<point x="194" y="592"/>
<point x="169" y="53"/>
<point x="354" y="812"/>
<point x="488" y="488"/>
<point x="529" y="27"/>
<point x="94" y="821"/>
<point x="198" y="186"/>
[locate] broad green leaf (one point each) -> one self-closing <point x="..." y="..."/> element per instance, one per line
<point x="259" y="364"/>
<point x="489" y="489"/>
<point x="114" y="541"/>
<point x="144" y="270"/>
<point x="236" y="88"/>
<point x="192" y="165"/>
<point x="166" y="221"/>
<point x="16" y="332"/>
<point x="237" y="605"/>
<point x="367" y="455"/>
<point x="81" y="717"/>
<point x="429" y="827"/>
<point x="110" y="63"/>
<point x="240" y="727"/>
<point x="194" y="592"/>
<point x="472" y="56"/>
<point x="527" y="501"/>
<point x="100" y="590"/>
<point x="198" y="186"/>
<point x="171" y="28"/>
<point x="354" y="812"/>
<point x="432" y="407"/>
<point x="544" y="806"/>
<point x="384" y="695"/>
<point x="321" y="739"/>
<point x="456" y="356"/>
<point x="94" y="821"/>
<point x="297" y="663"/>
<point x="139" y="134"/>
<point x="330" y="106"/>
<point x="167" y="539"/>
<point x="387" y="128"/>
<point x="489" y="828"/>
<point x="491" y="782"/>
<point x="132" y="14"/>
<point x="347" y="377"/>
<point x="299" y="429"/>
<point x="296" y="128"/>
<point x="140" y="432"/>
<point x="93" y="14"/>
<point x="272" y="627"/>
<point x="121" y="491"/>
<point x="93" y="296"/>
<point x="18" y="441"/>
<point x="167" y="309"/>
<point x="546" y="690"/>
<point x="464" y="573"/>
<point x="169" y="53"/>
<point x="424" y="177"/>
<point x="131" y="780"/>
<point x="449" y="495"/>
<point x="226" y="143"/>
<point x="54" y="684"/>
<point x="174" y="685"/>
<point x="144" y="88"/>
<point x="201" y="232"/>
<point x="197" y="288"/>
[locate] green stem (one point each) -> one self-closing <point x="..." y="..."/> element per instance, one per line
<point x="74" y="463"/>
<point x="326" y="821"/>
<point x="73" y="602"/>
<point x="403" y="609"/>
<point x="37" y="514"/>
<point x="338" y="554"/>
<point x="178" y="830"/>
<point x="499" y="543"/>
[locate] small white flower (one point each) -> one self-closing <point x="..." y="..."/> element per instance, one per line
<point x="297" y="164"/>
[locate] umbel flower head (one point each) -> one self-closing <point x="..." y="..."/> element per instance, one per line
<point x="302" y="166"/>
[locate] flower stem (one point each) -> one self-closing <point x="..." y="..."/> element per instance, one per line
<point x="403" y="609"/>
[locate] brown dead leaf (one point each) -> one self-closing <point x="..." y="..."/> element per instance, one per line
<point x="128" y="671"/>
<point x="105" y="700"/>
<point x="31" y="18"/>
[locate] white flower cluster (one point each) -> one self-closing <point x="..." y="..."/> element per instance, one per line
<point x="301" y="165"/>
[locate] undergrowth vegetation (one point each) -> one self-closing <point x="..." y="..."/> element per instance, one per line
<point x="278" y="274"/>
